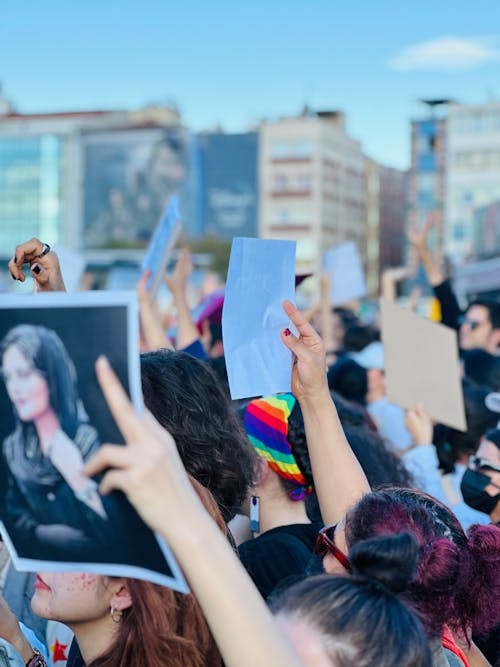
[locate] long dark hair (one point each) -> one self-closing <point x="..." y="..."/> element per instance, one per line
<point x="45" y="352"/>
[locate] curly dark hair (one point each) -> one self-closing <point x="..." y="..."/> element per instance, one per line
<point x="186" y="398"/>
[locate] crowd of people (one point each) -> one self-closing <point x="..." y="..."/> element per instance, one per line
<point x="324" y="527"/>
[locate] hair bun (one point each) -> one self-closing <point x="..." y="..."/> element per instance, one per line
<point x="387" y="560"/>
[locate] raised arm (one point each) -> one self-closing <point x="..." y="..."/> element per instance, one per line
<point x="43" y="263"/>
<point x="151" y="328"/>
<point x="390" y="278"/>
<point x="338" y="477"/>
<point x="450" y="310"/>
<point x="150" y="472"/>
<point x="418" y="240"/>
<point x="187" y="332"/>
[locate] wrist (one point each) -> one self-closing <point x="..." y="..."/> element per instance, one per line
<point x="21" y="644"/>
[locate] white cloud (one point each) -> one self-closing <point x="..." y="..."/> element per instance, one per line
<point x="447" y="53"/>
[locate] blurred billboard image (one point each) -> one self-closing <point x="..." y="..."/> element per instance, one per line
<point x="129" y="175"/>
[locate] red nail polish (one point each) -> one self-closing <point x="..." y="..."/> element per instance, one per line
<point x="287" y="332"/>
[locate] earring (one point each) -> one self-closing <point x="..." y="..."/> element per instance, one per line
<point x="116" y="615"/>
<point x="255" y="514"/>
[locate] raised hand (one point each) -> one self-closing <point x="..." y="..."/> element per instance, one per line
<point x="419" y="425"/>
<point x="178" y="279"/>
<point x="44" y="266"/>
<point x="418" y="238"/>
<point x="309" y="366"/>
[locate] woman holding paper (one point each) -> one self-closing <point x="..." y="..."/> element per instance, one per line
<point x="48" y="500"/>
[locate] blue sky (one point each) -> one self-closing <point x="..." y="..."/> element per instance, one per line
<point x="234" y="63"/>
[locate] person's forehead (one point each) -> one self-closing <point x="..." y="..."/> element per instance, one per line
<point x="478" y="313"/>
<point x="488" y="450"/>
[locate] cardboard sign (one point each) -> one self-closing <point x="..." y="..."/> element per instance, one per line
<point x="422" y="365"/>
<point x="54" y="418"/>
<point x="161" y="245"/>
<point x="261" y="276"/>
<point x="343" y="266"/>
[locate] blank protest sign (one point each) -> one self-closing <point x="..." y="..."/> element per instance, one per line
<point x="260" y="277"/>
<point x="343" y="265"/>
<point x="422" y="365"/>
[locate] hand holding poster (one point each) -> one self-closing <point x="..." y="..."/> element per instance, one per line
<point x="52" y="515"/>
<point x="421" y="365"/>
<point x="261" y="276"/>
<point x="347" y="280"/>
<point x="161" y="245"/>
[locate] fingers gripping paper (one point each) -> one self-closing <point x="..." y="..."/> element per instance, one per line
<point x="421" y="365"/>
<point x="261" y="276"/>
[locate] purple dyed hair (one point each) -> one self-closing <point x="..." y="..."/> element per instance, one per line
<point x="457" y="582"/>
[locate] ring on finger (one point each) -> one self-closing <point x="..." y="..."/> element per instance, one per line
<point x="45" y="250"/>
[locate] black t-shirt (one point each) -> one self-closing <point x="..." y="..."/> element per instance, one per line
<point x="74" y="656"/>
<point x="279" y="556"/>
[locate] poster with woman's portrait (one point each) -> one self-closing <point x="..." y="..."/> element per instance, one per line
<point x="53" y="419"/>
<point x="129" y="177"/>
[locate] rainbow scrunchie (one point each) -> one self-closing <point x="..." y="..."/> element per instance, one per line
<point x="266" y="424"/>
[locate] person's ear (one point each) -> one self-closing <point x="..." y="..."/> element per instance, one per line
<point x="495" y="339"/>
<point x="121" y="598"/>
<point x="262" y="470"/>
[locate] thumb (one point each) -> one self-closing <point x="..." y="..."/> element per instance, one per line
<point x="40" y="275"/>
<point x="290" y="340"/>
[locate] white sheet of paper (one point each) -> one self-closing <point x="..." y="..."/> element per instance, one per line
<point x="422" y="365"/>
<point x="342" y="264"/>
<point x="72" y="267"/>
<point x="261" y="276"/>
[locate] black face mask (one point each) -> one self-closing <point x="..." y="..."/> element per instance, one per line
<point x="473" y="490"/>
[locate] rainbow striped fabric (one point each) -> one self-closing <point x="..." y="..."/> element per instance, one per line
<point x="266" y="424"/>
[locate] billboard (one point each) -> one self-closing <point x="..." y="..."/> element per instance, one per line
<point x="228" y="200"/>
<point x="129" y="176"/>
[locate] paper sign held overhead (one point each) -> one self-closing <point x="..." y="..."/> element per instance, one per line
<point x="161" y="245"/>
<point x="343" y="266"/>
<point x="422" y="365"/>
<point x="261" y="276"/>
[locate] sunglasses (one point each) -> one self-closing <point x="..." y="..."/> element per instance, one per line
<point x="325" y="544"/>
<point x="476" y="462"/>
<point x="473" y="324"/>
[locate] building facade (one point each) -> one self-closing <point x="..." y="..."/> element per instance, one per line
<point x="48" y="175"/>
<point x="386" y="203"/>
<point x="473" y="176"/>
<point x="312" y="184"/>
<point x="427" y="178"/>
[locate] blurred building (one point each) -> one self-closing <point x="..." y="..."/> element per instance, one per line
<point x="486" y="231"/>
<point x="312" y="184"/>
<point x="384" y="238"/>
<point x="227" y="185"/>
<point x="60" y="171"/>
<point x="473" y="179"/>
<point x="427" y="177"/>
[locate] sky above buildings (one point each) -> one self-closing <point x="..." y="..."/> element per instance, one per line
<point x="234" y="63"/>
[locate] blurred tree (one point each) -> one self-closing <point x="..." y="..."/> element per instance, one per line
<point x="217" y="251"/>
